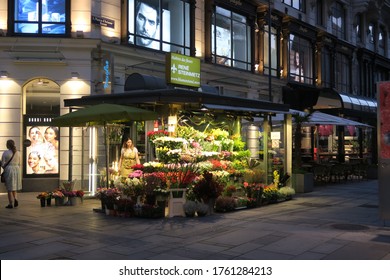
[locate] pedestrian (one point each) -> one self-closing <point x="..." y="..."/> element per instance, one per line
<point x="129" y="157"/>
<point x="10" y="162"/>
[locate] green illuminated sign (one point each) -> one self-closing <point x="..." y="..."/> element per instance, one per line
<point x="182" y="70"/>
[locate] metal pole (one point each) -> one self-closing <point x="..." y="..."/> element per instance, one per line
<point x="269" y="52"/>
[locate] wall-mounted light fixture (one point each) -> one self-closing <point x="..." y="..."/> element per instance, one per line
<point x="79" y="34"/>
<point x="75" y="75"/>
<point x="4" y="74"/>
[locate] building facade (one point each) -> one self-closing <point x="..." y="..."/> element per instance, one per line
<point x="325" y="55"/>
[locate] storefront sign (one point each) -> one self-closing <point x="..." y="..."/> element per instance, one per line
<point x="182" y="70"/>
<point x="103" y="21"/>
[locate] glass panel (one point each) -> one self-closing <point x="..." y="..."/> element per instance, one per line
<point x="53" y="29"/>
<point x="301" y="61"/>
<point x="26" y="27"/>
<point x="187" y="25"/>
<point x="231" y="42"/>
<point x="147" y="23"/>
<point x="56" y="10"/>
<point x="223" y="44"/>
<point x="26" y="10"/>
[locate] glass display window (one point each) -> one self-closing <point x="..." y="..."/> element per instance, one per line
<point x="44" y="17"/>
<point x="301" y="60"/>
<point x="159" y="25"/>
<point x="231" y="39"/>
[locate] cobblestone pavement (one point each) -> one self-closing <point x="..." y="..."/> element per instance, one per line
<point x="334" y="222"/>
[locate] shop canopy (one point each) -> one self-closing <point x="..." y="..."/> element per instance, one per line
<point x="153" y="92"/>
<point x="320" y="118"/>
<point x="102" y="114"/>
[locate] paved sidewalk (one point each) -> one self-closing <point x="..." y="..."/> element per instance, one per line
<point x="334" y="222"/>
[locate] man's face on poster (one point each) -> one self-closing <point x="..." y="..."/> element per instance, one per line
<point x="146" y="24"/>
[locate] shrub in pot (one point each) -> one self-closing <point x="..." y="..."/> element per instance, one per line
<point x="190" y="208"/>
<point x="224" y="204"/>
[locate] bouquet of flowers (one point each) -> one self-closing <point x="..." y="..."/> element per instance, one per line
<point x="152" y="135"/>
<point x="44" y="195"/>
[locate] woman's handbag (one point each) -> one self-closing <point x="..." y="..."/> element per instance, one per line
<point x="2" y="174"/>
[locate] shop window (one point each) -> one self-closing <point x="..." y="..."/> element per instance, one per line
<point x="160" y="25"/>
<point x="274" y="51"/>
<point x="42" y="103"/>
<point x="342" y="73"/>
<point x="337" y="17"/>
<point x="301" y="60"/>
<point x="231" y="39"/>
<point x="39" y="17"/>
<point x="296" y="4"/>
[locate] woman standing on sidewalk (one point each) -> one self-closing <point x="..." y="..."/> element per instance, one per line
<point x="10" y="162"/>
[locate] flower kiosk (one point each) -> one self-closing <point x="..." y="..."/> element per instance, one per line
<point x="211" y="168"/>
<point x="195" y="155"/>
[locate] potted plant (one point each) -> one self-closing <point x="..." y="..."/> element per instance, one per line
<point x="302" y="179"/>
<point x="207" y="189"/>
<point x="224" y="204"/>
<point x="202" y="209"/>
<point x="189" y="208"/>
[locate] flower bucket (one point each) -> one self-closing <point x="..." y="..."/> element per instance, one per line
<point x="58" y="201"/>
<point x="43" y="202"/>
<point x="73" y="201"/>
<point x="48" y="201"/>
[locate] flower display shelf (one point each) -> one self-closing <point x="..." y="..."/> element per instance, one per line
<point x="177" y="197"/>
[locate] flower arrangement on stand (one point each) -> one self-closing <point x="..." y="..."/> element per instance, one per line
<point x="152" y="135"/>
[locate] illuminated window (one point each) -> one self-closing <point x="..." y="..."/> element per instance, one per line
<point x="274" y="51"/>
<point x="301" y="60"/>
<point x="40" y="17"/>
<point x="230" y="39"/>
<point x="160" y="25"/>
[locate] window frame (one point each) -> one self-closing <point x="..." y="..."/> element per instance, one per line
<point x="40" y="22"/>
<point x="295" y="4"/>
<point x="342" y="72"/>
<point x="275" y="59"/>
<point x="229" y="60"/>
<point x="303" y="46"/>
<point x="160" y="43"/>
<point x="338" y="31"/>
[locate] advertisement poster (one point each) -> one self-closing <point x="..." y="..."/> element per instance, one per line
<point x="42" y="153"/>
<point x="146" y="19"/>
